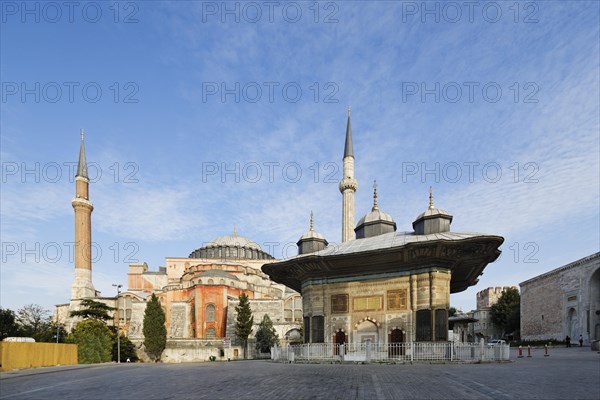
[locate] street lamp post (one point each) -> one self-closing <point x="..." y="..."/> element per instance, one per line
<point x="57" y="327"/>
<point x="118" y="323"/>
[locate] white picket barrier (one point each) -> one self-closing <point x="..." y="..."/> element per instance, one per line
<point x="393" y="352"/>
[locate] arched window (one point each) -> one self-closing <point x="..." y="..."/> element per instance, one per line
<point x="125" y="309"/>
<point x="211" y="313"/>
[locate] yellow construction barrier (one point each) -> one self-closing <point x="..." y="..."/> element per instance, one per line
<point x="18" y="355"/>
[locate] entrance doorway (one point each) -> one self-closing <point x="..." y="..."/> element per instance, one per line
<point x="340" y="339"/>
<point x="396" y="343"/>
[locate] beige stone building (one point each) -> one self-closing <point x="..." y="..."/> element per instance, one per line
<point x="564" y="301"/>
<point x="484" y="328"/>
<point x="380" y="286"/>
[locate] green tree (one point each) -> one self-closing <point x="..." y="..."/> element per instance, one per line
<point x="155" y="332"/>
<point x="53" y="330"/>
<point x="128" y="349"/>
<point x="8" y="324"/>
<point x="266" y="336"/>
<point x="92" y="309"/>
<point x="49" y="333"/>
<point x="34" y="321"/>
<point x="506" y="313"/>
<point x="94" y="340"/>
<point x="244" y="321"/>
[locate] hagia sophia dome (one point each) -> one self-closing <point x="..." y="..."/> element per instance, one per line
<point x="231" y="247"/>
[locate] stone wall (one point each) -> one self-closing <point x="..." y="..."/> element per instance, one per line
<point x="564" y="301"/>
<point x="541" y="309"/>
<point x="275" y="310"/>
<point x="192" y="350"/>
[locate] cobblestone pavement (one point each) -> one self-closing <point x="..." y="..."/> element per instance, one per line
<point x="567" y="374"/>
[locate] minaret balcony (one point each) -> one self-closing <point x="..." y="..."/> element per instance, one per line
<point x="348" y="183"/>
<point x="81" y="202"/>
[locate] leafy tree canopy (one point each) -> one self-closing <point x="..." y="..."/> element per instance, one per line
<point x="506" y="312"/>
<point x="92" y="309"/>
<point x="128" y="349"/>
<point x="35" y="321"/>
<point x="94" y="340"/>
<point x="8" y="324"/>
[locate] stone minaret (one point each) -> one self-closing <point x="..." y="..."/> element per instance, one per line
<point x="348" y="186"/>
<point x="82" y="287"/>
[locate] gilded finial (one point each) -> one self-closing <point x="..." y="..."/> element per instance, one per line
<point x="312" y="221"/>
<point x="431" y="198"/>
<point x="82" y="134"/>
<point x="348" y="110"/>
<point x="234" y="231"/>
<point x="375" y="196"/>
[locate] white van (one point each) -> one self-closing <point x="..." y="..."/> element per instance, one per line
<point x="19" y="339"/>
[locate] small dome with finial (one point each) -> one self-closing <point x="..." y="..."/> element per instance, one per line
<point x="432" y="220"/>
<point x="376" y="222"/>
<point x="311" y="241"/>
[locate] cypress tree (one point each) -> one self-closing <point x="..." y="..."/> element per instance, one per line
<point x="266" y="336"/>
<point x="155" y="332"/>
<point x="244" y="321"/>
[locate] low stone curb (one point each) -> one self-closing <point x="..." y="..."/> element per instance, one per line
<point x="47" y="370"/>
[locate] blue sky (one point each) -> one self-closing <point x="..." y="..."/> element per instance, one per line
<point x="495" y="106"/>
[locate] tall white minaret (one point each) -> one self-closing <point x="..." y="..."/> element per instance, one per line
<point x="348" y="186"/>
<point x="82" y="287"/>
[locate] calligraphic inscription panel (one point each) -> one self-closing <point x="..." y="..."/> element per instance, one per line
<point x="396" y="299"/>
<point x="367" y="303"/>
<point x="339" y="303"/>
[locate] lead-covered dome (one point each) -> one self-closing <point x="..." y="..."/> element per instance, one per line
<point x="432" y="220"/>
<point x="231" y="247"/>
<point x="311" y="241"/>
<point x="375" y="222"/>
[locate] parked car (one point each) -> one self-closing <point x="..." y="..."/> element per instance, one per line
<point x="496" y="342"/>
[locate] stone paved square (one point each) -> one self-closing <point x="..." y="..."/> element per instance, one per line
<point x="567" y="374"/>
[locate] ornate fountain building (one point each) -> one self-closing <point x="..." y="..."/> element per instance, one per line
<point x="379" y="285"/>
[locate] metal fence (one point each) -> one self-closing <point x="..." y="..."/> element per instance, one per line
<point x="393" y="352"/>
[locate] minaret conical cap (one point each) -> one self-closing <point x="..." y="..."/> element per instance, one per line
<point x="349" y="149"/>
<point x="82" y="164"/>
